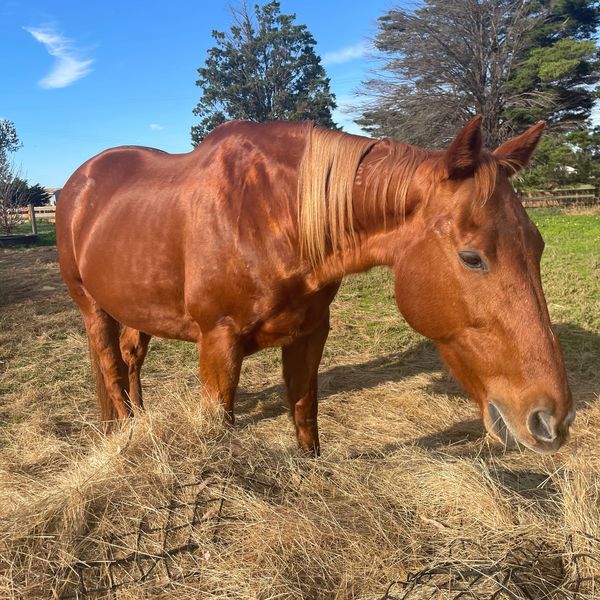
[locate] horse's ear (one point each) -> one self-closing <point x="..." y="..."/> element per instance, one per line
<point x="463" y="154"/>
<point x="515" y="154"/>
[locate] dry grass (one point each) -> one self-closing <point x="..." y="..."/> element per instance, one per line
<point x="408" y="488"/>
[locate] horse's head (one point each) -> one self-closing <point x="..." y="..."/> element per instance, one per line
<point x="468" y="277"/>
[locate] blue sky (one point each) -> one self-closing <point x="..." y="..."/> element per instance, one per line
<point x="79" y="77"/>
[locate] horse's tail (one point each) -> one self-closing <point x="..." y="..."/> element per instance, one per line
<point x="108" y="414"/>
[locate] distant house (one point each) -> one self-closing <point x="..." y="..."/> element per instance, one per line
<point x="54" y="194"/>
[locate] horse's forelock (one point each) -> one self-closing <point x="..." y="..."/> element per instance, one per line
<point x="486" y="176"/>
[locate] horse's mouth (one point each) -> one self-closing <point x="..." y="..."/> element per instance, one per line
<point x="499" y="427"/>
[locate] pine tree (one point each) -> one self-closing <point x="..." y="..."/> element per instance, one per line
<point x="264" y="69"/>
<point x="560" y="66"/>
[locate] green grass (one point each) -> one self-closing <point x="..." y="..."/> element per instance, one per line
<point x="46" y="234"/>
<point x="571" y="265"/>
<point x="576" y="237"/>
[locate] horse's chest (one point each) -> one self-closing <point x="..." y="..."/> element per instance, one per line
<point x="283" y="328"/>
<point x="297" y="317"/>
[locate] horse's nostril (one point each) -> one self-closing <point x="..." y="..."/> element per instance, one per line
<point x="542" y="426"/>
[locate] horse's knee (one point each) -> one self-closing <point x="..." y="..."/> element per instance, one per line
<point x="134" y="346"/>
<point x="127" y="344"/>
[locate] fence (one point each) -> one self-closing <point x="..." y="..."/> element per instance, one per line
<point x="29" y="214"/>
<point x="47" y="213"/>
<point x="564" y="198"/>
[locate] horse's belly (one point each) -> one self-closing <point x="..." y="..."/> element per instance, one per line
<point x="141" y="290"/>
<point x="144" y="312"/>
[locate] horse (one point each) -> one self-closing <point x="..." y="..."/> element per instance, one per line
<point x="241" y="244"/>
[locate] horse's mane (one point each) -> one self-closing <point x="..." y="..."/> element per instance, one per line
<point x="330" y="166"/>
<point x="328" y="171"/>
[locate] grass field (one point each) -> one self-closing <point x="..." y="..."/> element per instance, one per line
<point x="46" y="232"/>
<point x="409" y="495"/>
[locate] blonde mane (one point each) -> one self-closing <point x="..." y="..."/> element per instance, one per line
<point x="329" y="169"/>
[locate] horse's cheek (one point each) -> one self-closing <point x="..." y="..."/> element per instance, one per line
<point x="429" y="303"/>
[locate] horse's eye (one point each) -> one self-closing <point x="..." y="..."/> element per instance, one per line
<point x="472" y="260"/>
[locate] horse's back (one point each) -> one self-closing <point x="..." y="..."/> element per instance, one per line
<point x="154" y="236"/>
<point x="141" y="185"/>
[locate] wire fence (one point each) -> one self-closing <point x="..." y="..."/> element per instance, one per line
<point x="165" y="546"/>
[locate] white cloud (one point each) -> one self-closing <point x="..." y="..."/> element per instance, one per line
<point x="68" y="67"/>
<point x="156" y="127"/>
<point x="346" y="54"/>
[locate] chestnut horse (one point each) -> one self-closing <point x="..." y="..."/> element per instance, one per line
<point x="242" y="243"/>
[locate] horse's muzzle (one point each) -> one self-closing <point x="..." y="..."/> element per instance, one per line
<point x="543" y="432"/>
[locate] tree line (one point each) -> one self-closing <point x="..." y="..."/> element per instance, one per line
<point x="512" y="61"/>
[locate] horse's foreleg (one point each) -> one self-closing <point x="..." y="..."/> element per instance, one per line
<point x="221" y="357"/>
<point x="134" y="347"/>
<point x="301" y="361"/>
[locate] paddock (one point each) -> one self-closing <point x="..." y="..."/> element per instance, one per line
<point x="415" y="502"/>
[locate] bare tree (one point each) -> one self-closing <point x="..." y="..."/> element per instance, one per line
<point x="450" y="59"/>
<point x="9" y="141"/>
<point x="13" y="197"/>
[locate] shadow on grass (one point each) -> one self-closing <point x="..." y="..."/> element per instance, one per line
<point x="421" y="358"/>
<point x="24" y="277"/>
<point x="581" y="349"/>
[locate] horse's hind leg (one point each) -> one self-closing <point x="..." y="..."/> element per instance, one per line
<point x="134" y="347"/>
<point x="112" y="379"/>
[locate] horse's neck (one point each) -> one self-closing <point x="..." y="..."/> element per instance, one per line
<point x="372" y="250"/>
<point x="382" y="207"/>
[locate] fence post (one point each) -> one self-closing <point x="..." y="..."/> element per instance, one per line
<point x="32" y="219"/>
